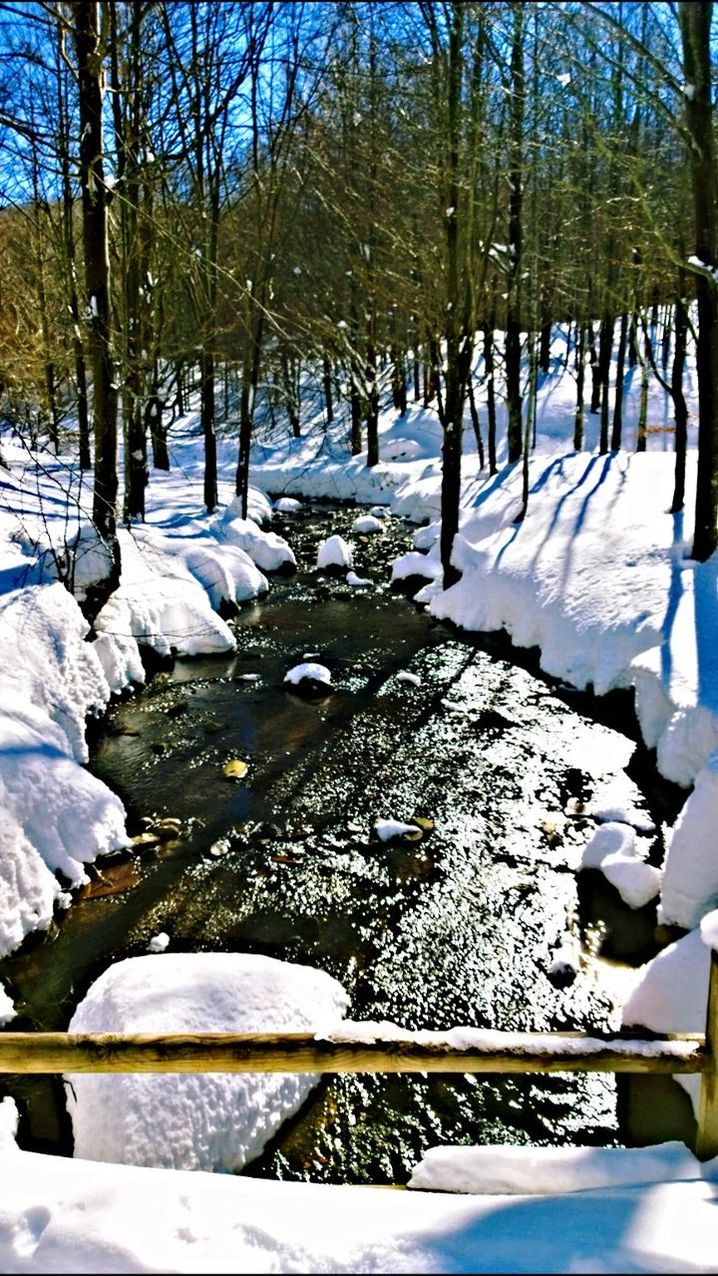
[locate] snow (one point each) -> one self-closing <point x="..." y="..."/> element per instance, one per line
<point x="539" y="1171"/>
<point x="308" y="669"/>
<point x="609" y="839"/>
<point x="366" y="524"/>
<point x="405" y="675"/>
<point x="334" y="552"/>
<point x="709" y="929"/>
<point x="597" y="576"/>
<point x="7" y="1007"/>
<point x="159" y="942"/>
<point x="637" y="883"/>
<point x="213" y="1121"/>
<point x="690" y="878"/>
<point x="288" y="505"/>
<point x="268" y="550"/>
<point x="671" y="995"/>
<point x="357" y="582"/>
<point x="387" y="829"/>
<point x="85" y="1218"/>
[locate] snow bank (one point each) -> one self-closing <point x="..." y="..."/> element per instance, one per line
<point x="54" y="815"/>
<point x="73" y="1216"/>
<point x="540" y="1171"/>
<point x="211" y="1121"/>
<point x="690" y="877"/>
<point x="268" y="550"/>
<point x="161" y="604"/>
<point x="671" y="995"/>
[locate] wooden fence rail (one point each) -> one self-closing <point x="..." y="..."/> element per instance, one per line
<point x="357" y="1048"/>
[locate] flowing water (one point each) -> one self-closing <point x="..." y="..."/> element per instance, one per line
<point x="458" y="928"/>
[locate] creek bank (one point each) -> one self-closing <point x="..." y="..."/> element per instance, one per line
<point x="461" y="926"/>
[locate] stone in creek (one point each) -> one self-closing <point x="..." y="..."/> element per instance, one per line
<point x="145" y="840"/>
<point x="309" y="680"/>
<point x="167" y="828"/>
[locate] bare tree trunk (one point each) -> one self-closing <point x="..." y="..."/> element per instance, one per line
<point x="372" y="416"/>
<point x="513" y="321"/>
<point x="206" y="376"/>
<point x="327" y="382"/>
<point x="476" y="422"/>
<point x="97" y="273"/>
<point x="679" y="402"/>
<point x="488" y="331"/>
<point x="695" y="21"/>
<point x="605" y="346"/>
<point x="580" y="381"/>
<point x="617" y="426"/>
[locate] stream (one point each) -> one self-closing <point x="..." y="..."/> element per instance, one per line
<point x="460" y="927"/>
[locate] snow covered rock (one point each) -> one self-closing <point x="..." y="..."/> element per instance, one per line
<point x="159" y="943"/>
<point x="288" y="505"/>
<point x="210" y="1121"/>
<point x="269" y="551"/>
<point x="309" y="677"/>
<point x="379" y="511"/>
<point x="387" y="830"/>
<point x="566" y="962"/>
<point x="610" y="839"/>
<point x="405" y="675"/>
<point x="334" y="552"/>
<point x="636" y="882"/>
<point x="357" y="582"/>
<point x="366" y="524"/>
<point x="428" y="566"/>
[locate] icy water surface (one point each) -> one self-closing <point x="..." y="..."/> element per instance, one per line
<point x="459" y="928"/>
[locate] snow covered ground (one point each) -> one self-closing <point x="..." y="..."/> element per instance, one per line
<point x="597" y="575"/>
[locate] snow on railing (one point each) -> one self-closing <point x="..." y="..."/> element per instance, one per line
<point x="383" y="1047"/>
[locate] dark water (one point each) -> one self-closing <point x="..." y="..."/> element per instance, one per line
<point x="459" y="928"/>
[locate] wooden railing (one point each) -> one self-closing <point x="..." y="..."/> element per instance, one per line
<point x="357" y="1048"/>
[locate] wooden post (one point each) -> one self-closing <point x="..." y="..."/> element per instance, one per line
<point x="707" y="1136"/>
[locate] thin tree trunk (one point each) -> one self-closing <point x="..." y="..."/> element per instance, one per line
<point x="605" y="346"/>
<point x="476" y="422"/>
<point x="617" y="427"/>
<point x="679" y="403"/>
<point x="580" y="381"/>
<point x="327" y="383"/>
<point x="643" y="406"/>
<point x="372" y="414"/>
<point x="207" y="419"/>
<point x="513" y="321"/>
<point x="94" y="233"/>
<point x="488" y="332"/>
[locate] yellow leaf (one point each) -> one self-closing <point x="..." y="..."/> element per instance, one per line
<point x="235" y="769"/>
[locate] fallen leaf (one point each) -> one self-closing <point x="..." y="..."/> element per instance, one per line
<point x="235" y="770"/>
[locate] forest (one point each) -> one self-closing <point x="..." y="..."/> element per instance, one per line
<point x="397" y="199"/>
